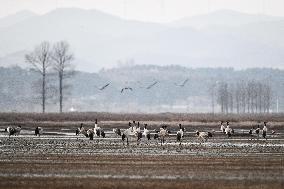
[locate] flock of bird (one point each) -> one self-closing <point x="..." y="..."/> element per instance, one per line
<point x="128" y="88"/>
<point x="134" y="131"/>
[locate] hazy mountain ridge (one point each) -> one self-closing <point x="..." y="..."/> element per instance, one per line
<point x="15" y="18"/>
<point x="223" y="18"/>
<point x="100" y="40"/>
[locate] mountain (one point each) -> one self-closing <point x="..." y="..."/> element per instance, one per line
<point x="100" y="40"/>
<point x="91" y="33"/>
<point x="15" y="18"/>
<point x="223" y="18"/>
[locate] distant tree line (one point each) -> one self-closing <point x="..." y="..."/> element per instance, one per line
<point x="51" y="60"/>
<point x="244" y="97"/>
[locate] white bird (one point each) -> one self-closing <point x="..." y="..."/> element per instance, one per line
<point x="257" y="131"/>
<point x="138" y="132"/>
<point x="163" y="133"/>
<point x="204" y="135"/>
<point x="146" y="132"/>
<point x="38" y="131"/>
<point x="180" y="134"/>
<point x="127" y="133"/>
<point x="264" y="131"/>
<point x="90" y="134"/>
<point x="117" y="131"/>
<point x="228" y="130"/>
<point x="14" y="130"/>
<point x="97" y="130"/>
<point x="222" y="128"/>
<point x="87" y="133"/>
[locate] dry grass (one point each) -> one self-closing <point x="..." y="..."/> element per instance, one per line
<point x="189" y="172"/>
<point x="167" y="117"/>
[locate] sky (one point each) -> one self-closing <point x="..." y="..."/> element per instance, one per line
<point x="147" y="10"/>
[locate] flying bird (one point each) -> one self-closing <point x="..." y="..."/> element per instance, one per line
<point x="152" y="85"/>
<point x="126" y="88"/>
<point x="183" y="84"/>
<point x="105" y="86"/>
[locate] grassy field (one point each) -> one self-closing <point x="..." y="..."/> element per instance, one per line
<point x="91" y="116"/>
<point x="59" y="159"/>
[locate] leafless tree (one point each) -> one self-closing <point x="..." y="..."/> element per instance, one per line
<point x="40" y="61"/>
<point x="62" y="58"/>
<point x="245" y="97"/>
<point x="212" y="91"/>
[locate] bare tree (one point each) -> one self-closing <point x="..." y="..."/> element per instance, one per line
<point x="62" y="58"/>
<point x="213" y="94"/>
<point x="40" y="60"/>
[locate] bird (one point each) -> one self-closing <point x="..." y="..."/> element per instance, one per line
<point x="250" y="131"/>
<point x="81" y="130"/>
<point x="152" y="85"/>
<point x="204" y="135"/>
<point x="117" y="131"/>
<point x="38" y="131"/>
<point x="126" y="133"/>
<point x="264" y="131"/>
<point x="228" y="130"/>
<point x="97" y="130"/>
<point x="180" y="134"/>
<point x="163" y="133"/>
<point x="183" y="83"/>
<point x="137" y="131"/>
<point x="257" y="131"/>
<point x="105" y="86"/>
<point x="156" y="135"/>
<point x="146" y="132"/>
<point x="222" y="128"/>
<point x="14" y="130"/>
<point x="126" y="88"/>
<point x="103" y="133"/>
<point x="90" y="134"/>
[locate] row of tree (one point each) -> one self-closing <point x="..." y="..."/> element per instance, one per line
<point x="51" y="59"/>
<point x="244" y="97"/>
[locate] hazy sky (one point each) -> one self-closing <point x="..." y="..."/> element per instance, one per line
<point x="147" y="10"/>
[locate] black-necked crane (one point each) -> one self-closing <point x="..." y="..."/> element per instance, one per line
<point x="182" y="84"/>
<point x="257" y="131"/>
<point x="138" y="132"/>
<point x="264" y="130"/>
<point x="152" y="85"/>
<point x="229" y="131"/>
<point x="117" y="131"/>
<point x="222" y="127"/>
<point x="146" y="132"/>
<point x="203" y="135"/>
<point x="105" y="86"/>
<point x="97" y="129"/>
<point x="180" y="134"/>
<point x="126" y="88"/>
<point x="38" y="131"/>
<point x="127" y="133"/>
<point x="87" y="133"/>
<point x="14" y="130"/>
<point x="163" y="133"/>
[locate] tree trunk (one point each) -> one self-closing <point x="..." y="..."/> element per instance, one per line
<point x="60" y="91"/>
<point x="43" y="88"/>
